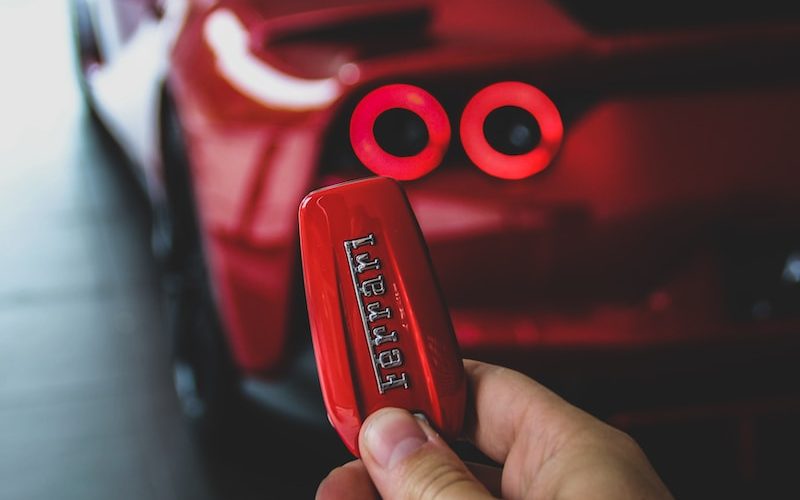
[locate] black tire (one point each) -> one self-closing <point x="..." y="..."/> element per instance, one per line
<point x="205" y="378"/>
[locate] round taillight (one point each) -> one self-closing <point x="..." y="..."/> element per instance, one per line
<point x="511" y="130"/>
<point x="400" y="131"/>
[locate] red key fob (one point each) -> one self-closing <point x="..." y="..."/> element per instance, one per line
<point x="382" y="334"/>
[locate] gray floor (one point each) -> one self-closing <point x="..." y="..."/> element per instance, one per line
<point x="86" y="407"/>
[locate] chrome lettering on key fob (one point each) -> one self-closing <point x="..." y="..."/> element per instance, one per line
<point x="383" y="357"/>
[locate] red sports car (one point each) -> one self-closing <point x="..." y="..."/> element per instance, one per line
<point x="610" y="190"/>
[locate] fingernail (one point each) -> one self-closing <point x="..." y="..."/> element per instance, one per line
<point x="392" y="435"/>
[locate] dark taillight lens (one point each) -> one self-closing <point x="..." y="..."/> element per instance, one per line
<point x="511" y="130"/>
<point x="400" y="131"/>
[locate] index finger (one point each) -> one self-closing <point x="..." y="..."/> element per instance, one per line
<point x="510" y="409"/>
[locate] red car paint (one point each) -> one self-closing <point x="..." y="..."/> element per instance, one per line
<point x="382" y="335"/>
<point x="650" y="273"/>
<point x="664" y="135"/>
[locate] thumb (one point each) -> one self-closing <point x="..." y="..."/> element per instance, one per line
<point x="407" y="459"/>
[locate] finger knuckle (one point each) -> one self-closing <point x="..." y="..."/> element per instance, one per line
<point x="629" y="444"/>
<point x="436" y="481"/>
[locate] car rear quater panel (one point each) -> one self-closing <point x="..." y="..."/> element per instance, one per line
<point x="610" y="165"/>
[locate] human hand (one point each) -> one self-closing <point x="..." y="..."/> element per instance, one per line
<point x="548" y="448"/>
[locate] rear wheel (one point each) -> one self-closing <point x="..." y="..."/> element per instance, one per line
<point x="205" y="378"/>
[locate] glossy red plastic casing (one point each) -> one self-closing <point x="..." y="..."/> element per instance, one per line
<point x="382" y="334"/>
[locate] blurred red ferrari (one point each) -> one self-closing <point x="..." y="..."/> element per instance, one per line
<point x="645" y="263"/>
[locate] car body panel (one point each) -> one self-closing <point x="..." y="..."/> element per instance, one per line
<point x="666" y="135"/>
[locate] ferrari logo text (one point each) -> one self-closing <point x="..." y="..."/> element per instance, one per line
<point x="370" y="287"/>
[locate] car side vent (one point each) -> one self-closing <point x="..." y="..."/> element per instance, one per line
<point x="349" y="24"/>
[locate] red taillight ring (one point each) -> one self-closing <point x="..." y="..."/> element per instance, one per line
<point x="523" y="96"/>
<point x="417" y="101"/>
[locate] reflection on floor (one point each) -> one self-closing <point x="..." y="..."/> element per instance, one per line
<point x="86" y="406"/>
